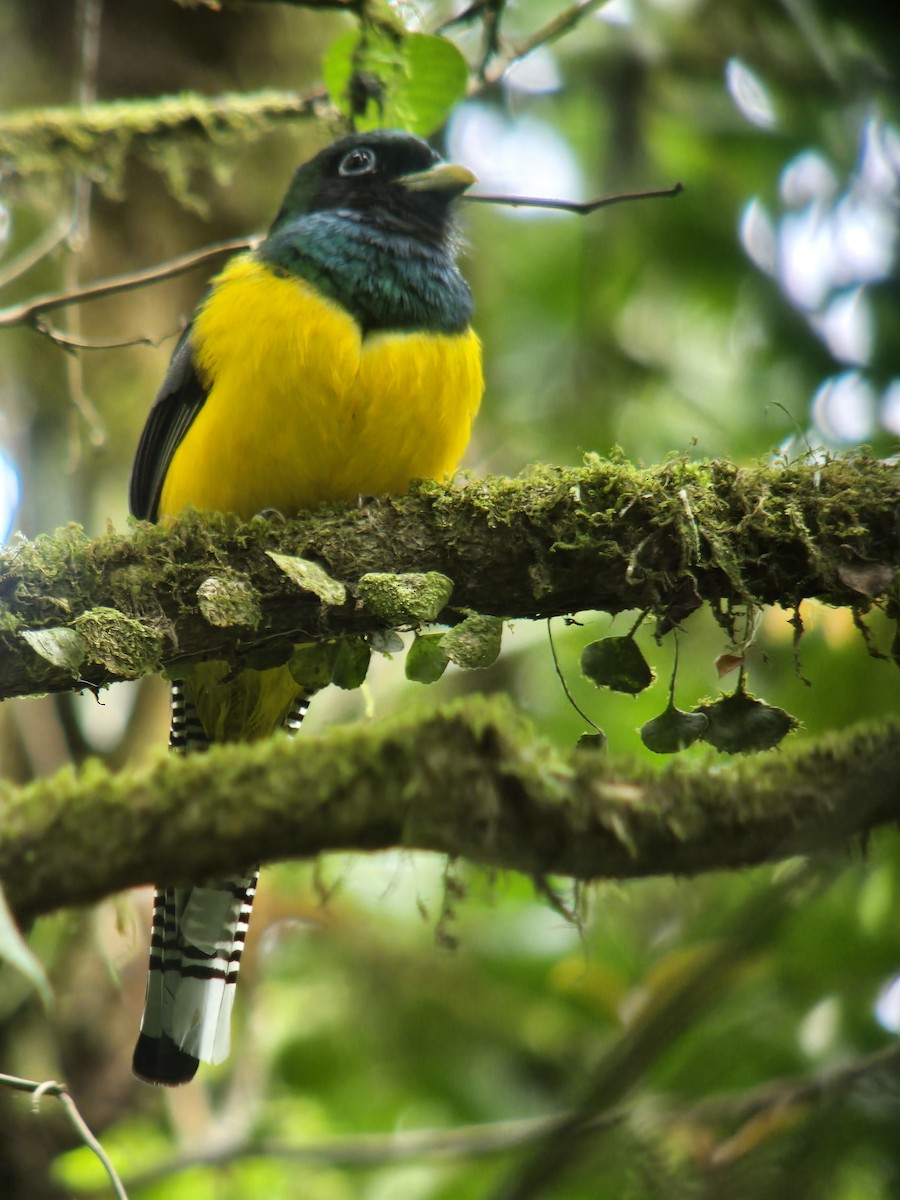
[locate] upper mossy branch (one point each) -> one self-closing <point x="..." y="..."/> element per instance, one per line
<point x="96" y="139"/>
<point x="472" y="779"/>
<point x="606" y="536"/>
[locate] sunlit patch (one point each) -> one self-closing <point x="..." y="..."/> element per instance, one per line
<point x="750" y="94"/>
<point x="103" y="722"/>
<point x="846" y="327"/>
<point x="617" y="12"/>
<point x="520" y="157"/>
<point x="825" y="245"/>
<point x="806" y="178"/>
<point x="879" y="167"/>
<point x="819" y="1027"/>
<point x="805" y="256"/>
<point x="844" y="408"/>
<point x="834" y="625"/>
<point x="536" y="74"/>
<point x="887" y="1006"/>
<point x="833" y="239"/>
<point x="758" y="236"/>
<point x="890" y="408"/>
<point x="10" y="495"/>
<point x="865" y="232"/>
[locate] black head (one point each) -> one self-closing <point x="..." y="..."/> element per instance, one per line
<point x="394" y="177"/>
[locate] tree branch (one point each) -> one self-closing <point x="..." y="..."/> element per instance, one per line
<point x="470" y="780"/>
<point x="499" y="1137"/>
<point x="96" y="139"/>
<point x="605" y="537"/>
<point x="29" y="311"/>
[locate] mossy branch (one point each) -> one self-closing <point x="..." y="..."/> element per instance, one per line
<point x="471" y="780"/>
<point x="606" y="536"/>
<point x="95" y="140"/>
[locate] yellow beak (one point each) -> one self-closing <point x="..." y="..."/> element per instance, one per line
<point x="442" y="177"/>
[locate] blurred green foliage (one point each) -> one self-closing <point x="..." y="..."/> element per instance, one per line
<point x="758" y="311"/>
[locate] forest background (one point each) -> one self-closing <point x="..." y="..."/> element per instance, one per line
<point x="411" y="1028"/>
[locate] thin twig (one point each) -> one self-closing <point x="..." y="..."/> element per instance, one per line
<point x="48" y="241"/>
<point x="627" y="1061"/>
<point x="91" y="1142"/>
<point x="50" y="1087"/>
<point x="65" y="342"/>
<point x="359" y="1151"/>
<point x="27" y="312"/>
<point x="87" y="21"/>
<point x="564" y="682"/>
<point x="582" y="207"/>
<point x="555" y="28"/>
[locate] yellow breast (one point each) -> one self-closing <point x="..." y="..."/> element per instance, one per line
<point x="302" y="409"/>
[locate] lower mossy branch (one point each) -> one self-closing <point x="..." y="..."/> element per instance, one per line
<point x="470" y="780"/>
<point x="606" y="536"/>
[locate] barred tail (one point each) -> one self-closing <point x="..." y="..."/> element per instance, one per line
<point x="195" y="949"/>
<point x="195" y="954"/>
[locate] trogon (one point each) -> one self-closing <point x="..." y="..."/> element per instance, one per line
<point x="335" y="360"/>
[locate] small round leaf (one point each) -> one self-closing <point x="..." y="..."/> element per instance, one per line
<point x="673" y="730"/>
<point x="616" y="663"/>
<point x="740" y="723"/>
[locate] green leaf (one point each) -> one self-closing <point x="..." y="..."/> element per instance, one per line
<point x="405" y="599"/>
<point x="740" y="722"/>
<point x="351" y="664"/>
<point x="616" y="663"/>
<point x="592" y="742"/>
<point x="60" y="646"/>
<point x="474" y="642"/>
<point x="311" y="577"/>
<point x="673" y="730"/>
<point x="407" y="81"/>
<point x="426" y="659"/>
<point x="16" y="951"/>
<point x="385" y="641"/>
<point x="312" y="665"/>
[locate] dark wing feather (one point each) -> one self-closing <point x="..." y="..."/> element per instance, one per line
<point x="180" y="398"/>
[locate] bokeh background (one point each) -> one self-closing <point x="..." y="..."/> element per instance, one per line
<point x="755" y="316"/>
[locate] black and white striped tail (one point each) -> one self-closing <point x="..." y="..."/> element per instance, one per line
<point x="195" y="948"/>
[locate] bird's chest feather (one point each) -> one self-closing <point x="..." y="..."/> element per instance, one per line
<point x="302" y="409"/>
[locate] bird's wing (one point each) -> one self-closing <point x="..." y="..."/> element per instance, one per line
<point x="178" y="401"/>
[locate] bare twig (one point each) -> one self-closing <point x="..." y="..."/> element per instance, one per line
<point x="669" y="1014"/>
<point x="582" y="207"/>
<point x="555" y="28"/>
<point x="51" y="1088"/>
<point x="87" y="20"/>
<point x="48" y="241"/>
<point x="565" y="685"/>
<point x="67" y="342"/>
<point x="28" y="312"/>
<point x="499" y="1137"/>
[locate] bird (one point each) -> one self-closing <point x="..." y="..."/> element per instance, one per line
<point x="334" y="360"/>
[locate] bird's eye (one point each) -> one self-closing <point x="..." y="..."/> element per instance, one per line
<point x="358" y="162"/>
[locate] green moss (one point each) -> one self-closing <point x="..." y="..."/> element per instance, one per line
<point x="126" y="647"/>
<point x="171" y="131"/>
<point x="406" y="599"/>
<point x="227" y="600"/>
